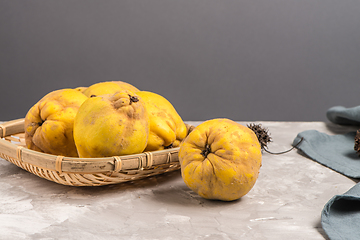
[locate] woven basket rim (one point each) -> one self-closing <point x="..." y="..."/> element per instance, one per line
<point x="73" y="165"/>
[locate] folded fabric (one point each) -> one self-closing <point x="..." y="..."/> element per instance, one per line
<point x="340" y="217"/>
<point x="344" y="116"/>
<point x="334" y="151"/>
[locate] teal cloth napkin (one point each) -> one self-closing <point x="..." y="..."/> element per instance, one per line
<point x="344" y="116"/>
<point x="334" y="151"/>
<point x="340" y="217"/>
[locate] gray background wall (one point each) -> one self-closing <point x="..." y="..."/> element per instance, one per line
<point x="243" y="59"/>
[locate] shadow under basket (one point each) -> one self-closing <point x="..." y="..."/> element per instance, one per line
<point x="83" y="171"/>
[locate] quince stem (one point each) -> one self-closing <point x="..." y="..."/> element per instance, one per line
<point x="133" y="99"/>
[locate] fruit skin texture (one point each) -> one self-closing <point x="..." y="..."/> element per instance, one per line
<point x="111" y="87"/>
<point x="111" y="126"/>
<point x="81" y="89"/>
<point x="220" y="159"/>
<point x="167" y="129"/>
<point x="49" y="123"/>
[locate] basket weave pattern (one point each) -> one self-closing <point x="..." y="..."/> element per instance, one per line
<point x="83" y="171"/>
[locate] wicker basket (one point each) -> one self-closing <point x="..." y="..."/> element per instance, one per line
<point x="83" y="171"/>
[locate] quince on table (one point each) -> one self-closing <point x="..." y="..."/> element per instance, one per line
<point x="111" y="126"/>
<point x="49" y="123"/>
<point x="220" y="159"/>
<point x="167" y="129"/>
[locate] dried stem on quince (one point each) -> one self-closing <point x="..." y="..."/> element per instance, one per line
<point x="133" y="99"/>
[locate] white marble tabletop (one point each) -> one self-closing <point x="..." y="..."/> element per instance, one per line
<point x="285" y="203"/>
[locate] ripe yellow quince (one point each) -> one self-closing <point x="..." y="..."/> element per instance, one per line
<point x="110" y="87"/>
<point x="167" y="129"/>
<point x="49" y="123"/>
<point x="111" y="126"/>
<point x="81" y="89"/>
<point x="220" y="159"/>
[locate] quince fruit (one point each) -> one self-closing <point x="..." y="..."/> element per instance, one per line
<point x="111" y="126"/>
<point x="49" y="123"/>
<point x="111" y="87"/>
<point x="81" y="89"/>
<point x="220" y="159"/>
<point x="167" y="129"/>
